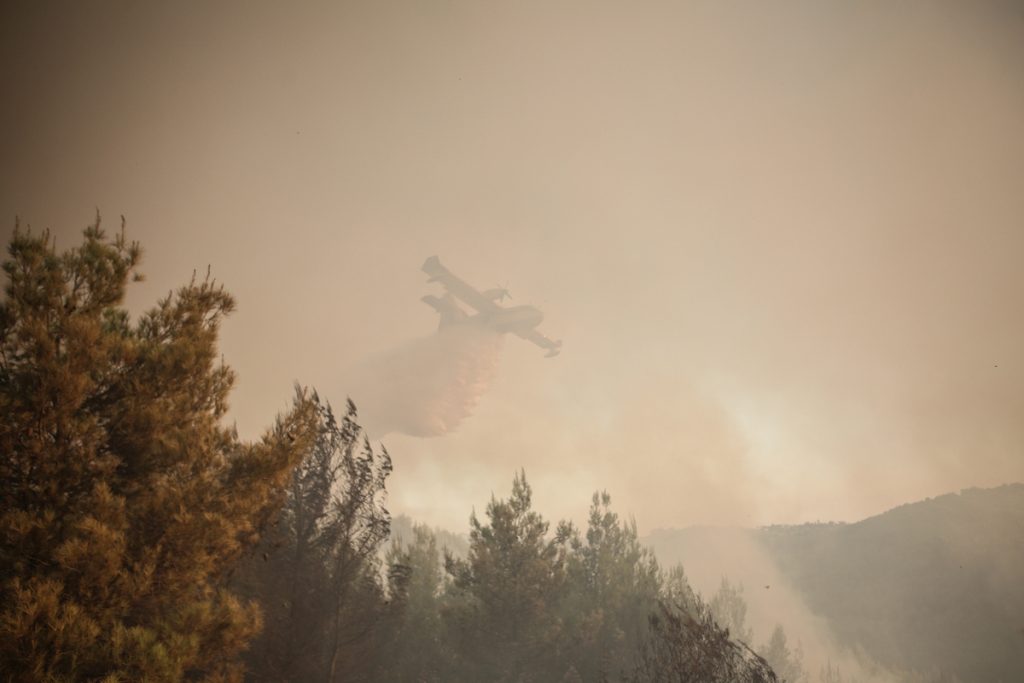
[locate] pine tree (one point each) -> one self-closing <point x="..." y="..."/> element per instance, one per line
<point x="501" y="614"/>
<point x="613" y="585"/>
<point x="730" y="610"/>
<point x="317" y="569"/>
<point x="687" y="645"/>
<point x="676" y="588"/>
<point x="787" y="664"/>
<point x="124" y="501"/>
<point x="416" y="648"/>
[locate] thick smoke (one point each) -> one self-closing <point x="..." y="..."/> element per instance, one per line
<point x="428" y="386"/>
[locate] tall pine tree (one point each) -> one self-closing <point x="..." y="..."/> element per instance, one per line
<point x="415" y="644"/>
<point x="317" y="568"/>
<point x="124" y="500"/>
<point x="786" y="663"/>
<point x="501" y="612"/>
<point x="614" y="584"/>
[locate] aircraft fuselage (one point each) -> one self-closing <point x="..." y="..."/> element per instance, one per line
<point x="511" y="319"/>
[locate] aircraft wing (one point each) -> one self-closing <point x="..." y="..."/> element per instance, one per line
<point x="553" y="347"/>
<point x="464" y="291"/>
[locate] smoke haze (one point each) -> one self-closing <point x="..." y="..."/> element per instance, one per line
<point x="731" y="553"/>
<point x="781" y="242"/>
<point x="428" y="386"/>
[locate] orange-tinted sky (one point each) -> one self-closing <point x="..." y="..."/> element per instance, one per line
<point x="782" y="242"/>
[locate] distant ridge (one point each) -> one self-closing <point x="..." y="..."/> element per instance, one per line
<point x="934" y="584"/>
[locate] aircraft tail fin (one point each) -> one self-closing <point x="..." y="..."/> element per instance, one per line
<point x="432" y="267"/>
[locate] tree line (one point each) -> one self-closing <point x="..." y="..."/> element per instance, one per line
<point x="142" y="540"/>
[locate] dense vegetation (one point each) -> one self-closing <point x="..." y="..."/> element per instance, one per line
<point x="315" y="569"/>
<point x="124" y="502"/>
<point x="528" y="605"/>
<point x="141" y="540"/>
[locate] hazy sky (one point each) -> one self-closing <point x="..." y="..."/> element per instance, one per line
<point x="782" y="242"/>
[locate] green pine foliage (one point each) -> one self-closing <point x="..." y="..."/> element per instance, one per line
<point x="614" y="585"/>
<point x="317" y="570"/>
<point x="527" y="604"/>
<point x="785" y="662"/>
<point x="502" y="594"/>
<point x="416" y="648"/>
<point x="124" y="501"/>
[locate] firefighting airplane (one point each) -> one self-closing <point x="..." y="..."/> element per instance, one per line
<point x="520" y="320"/>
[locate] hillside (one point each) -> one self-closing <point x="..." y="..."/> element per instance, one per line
<point x="932" y="585"/>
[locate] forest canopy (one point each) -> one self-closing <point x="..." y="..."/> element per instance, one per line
<point x="141" y="539"/>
